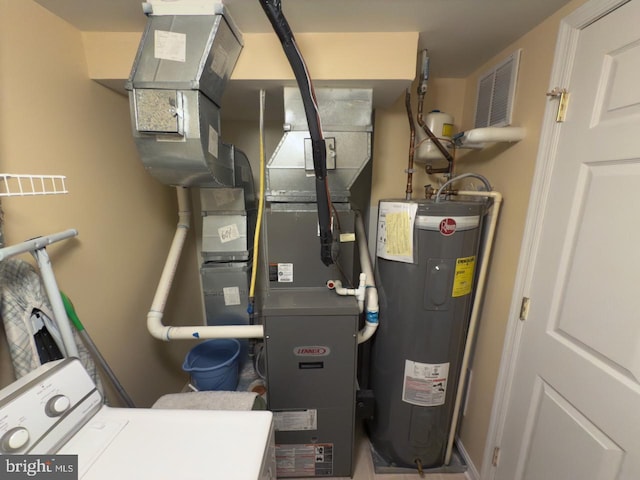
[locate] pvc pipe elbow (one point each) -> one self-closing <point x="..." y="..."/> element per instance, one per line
<point x="367" y="332"/>
<point x="155" y="326"/>
<point x="340" y="290"/>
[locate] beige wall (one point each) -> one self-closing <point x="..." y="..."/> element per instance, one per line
<point x="510" y="170"/>
<point x="54" y="120"/>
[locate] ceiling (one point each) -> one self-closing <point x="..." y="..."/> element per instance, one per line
<point x="460" y="35"/>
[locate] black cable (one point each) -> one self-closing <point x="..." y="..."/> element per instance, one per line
<point x="273" y="10"/>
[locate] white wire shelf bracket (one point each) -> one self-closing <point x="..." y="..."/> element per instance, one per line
<point x="26" y="185"/>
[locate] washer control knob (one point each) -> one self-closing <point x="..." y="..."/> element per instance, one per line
<point x="57" y="405"/>
<point x="14" y="439"/>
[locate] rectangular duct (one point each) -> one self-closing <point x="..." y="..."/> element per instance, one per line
<point x="176" y="85"/>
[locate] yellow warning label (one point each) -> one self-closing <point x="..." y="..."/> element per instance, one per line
<point x="447" y="130"/>
<point x="398" y="234"/>
<point x="463" y="278"/>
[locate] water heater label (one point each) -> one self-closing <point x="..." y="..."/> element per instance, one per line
<point x="463" y="278"/>
<point x="395" y="231"/>
<point x="425" y="384"/>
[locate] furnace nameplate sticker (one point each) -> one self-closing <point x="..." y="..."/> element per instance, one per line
<point x="170" y="46"/>
<point x="425" y="384"/>
<point x="295" y="420"/>
<point x="463" y="277"/>
<point x="285" y="272"/>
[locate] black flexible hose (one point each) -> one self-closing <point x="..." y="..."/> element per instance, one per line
<point x="273" y="10"/>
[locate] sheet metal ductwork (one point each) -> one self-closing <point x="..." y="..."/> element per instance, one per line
<point x="347" y="126"/>
<point x="175" y="88"/>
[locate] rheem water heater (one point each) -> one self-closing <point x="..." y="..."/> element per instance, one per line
<point x="426" y="257"/>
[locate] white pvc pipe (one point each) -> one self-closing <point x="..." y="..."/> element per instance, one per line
<point x="154" y="317"/>
<point x="340" y="290"/>
<point x="371" y="293"/>
<point x="475" y="312"/>
<point x="355" y="292"/>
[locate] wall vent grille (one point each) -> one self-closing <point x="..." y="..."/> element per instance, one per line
<point x="496" y="91"/>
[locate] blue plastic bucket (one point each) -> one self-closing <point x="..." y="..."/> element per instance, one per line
<point x="213" y="364"/>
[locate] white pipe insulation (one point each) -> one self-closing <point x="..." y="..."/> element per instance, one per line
<point x="154" y="317"/>
<point x="475" y="311"/>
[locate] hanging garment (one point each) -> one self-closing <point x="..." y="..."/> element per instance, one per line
<point x="32" y="334"/>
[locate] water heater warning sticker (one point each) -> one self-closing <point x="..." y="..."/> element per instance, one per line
<point x="425" y="384"/>
<point x="395" y="231"/>
<point x="463" y="278"/>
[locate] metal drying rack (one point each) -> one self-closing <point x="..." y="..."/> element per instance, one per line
<point x="27" y="185"/>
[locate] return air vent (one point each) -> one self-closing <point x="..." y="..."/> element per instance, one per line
<point x="496" y="91"/>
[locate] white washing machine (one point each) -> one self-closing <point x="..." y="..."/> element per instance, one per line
<point x="57" y="409"/>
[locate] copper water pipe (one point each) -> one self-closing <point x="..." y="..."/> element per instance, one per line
<point x="412" y="146"/>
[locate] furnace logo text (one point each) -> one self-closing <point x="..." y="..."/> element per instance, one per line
<point x="53" y="467"/>
<point x="311" y="351"/>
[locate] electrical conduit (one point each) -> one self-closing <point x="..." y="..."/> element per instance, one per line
<point x="154" y="317"/>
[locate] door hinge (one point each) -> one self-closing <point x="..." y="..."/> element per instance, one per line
<point x="563" y="103"/>
<point x="524" y="308"/>
<point x="496" y="456"/>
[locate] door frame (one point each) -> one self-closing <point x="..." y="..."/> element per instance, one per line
<point x="566" y="44"/>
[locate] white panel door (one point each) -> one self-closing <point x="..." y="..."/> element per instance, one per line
<point x="574" y="405"/>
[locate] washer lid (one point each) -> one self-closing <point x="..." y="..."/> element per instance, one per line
<point x="186" y="444"/>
